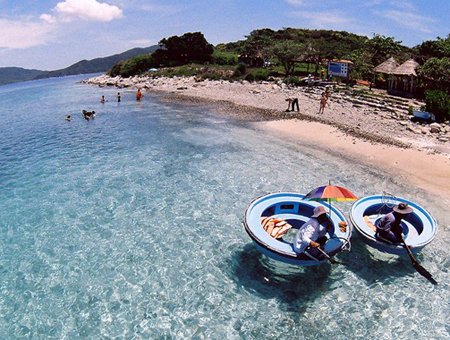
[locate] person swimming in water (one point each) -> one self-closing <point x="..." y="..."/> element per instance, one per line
<point x="88" y="114"/>
<point x="138" y="95"/>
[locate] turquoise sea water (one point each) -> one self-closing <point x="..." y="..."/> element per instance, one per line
<point x="129" y="226"/>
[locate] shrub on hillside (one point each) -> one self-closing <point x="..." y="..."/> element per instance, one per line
<point x="240" y="70"/>
<point x="224" y="58"/>
<point x="186" y="71"/>
<point x="136" y="65"/>
<point x="410" y="110"/>
<point x="435" y="74"/>
<point x="261" y="74"/>
<point x="438" y="102"/>
<point x="132" y="66"/>
<point x="274" y="73"/>
<point x="293" y="80"/>
<point x="211" y="75"/>
<point x="250" y="77"/>
<point x="115" y="70"/>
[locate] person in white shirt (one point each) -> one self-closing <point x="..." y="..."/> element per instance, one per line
<point x="312" y="232"/>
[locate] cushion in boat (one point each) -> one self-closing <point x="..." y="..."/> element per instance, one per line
<point x="275" y="227"/>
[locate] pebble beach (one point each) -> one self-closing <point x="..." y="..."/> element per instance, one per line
<point x="376" y="130"/>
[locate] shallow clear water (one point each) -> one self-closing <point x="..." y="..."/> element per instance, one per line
<point x="129" y="226"/>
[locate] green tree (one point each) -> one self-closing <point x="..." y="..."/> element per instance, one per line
<point x="435" y="74"/>
<point x="382" y="48"/>
<point x="438" y="102"/>
<point x="438" y="48"/>
<point x="189" y="48"/>
<point x="258" y="45"/>
<point x="320" y="50"/>
<point x="136" y="65"/>
<point x="115" y="70"/>
<point x="221" y="57"/>
<point x="362" y="65"/>
<point x="132" y="66"/>
<point x="287" y="53"/>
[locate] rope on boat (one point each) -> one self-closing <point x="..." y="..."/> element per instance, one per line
<point x="347" y="245"/>
<point x="346" y="242"/>
<point x="388" y="200"/>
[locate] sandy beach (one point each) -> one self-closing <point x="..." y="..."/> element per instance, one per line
<point x="382" y="137"/>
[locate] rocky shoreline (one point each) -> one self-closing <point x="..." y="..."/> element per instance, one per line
<point x="373" y="116"/>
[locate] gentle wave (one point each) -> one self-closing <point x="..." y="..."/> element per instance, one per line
<point x="129" y="226"/>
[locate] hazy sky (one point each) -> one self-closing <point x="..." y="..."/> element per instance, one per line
<point x="48" y="35"/>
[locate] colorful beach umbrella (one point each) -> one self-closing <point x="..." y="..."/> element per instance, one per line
<point x="330" y="193"/>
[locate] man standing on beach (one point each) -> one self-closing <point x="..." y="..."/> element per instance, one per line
<point x="118" y="97"/>
<point x="294" y="103"/>
<point x="309" y="80"/>
<point x="323" y="102"/>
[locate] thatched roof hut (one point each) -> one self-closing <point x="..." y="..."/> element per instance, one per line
<point x="387" y="66"/>
<point x="408" y="68"/>
<point x="403" y="79"/>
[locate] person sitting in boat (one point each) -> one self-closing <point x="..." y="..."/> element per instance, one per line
<point x="312" y="232"/>
<point x="389" y="227"/>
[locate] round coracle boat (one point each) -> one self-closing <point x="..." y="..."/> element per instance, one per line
<point x="273" y="220"/>
<point x="419" y="227"/>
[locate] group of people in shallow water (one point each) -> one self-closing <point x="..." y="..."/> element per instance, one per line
<point x="88" y="115"/>
<point x="293" y="104"/>
<point x="119" y="97"/>
<point x="312" y="234"/>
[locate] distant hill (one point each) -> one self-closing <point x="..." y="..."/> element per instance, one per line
<point x="16" y="74"/>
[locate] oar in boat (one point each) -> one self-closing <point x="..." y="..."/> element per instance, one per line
<point x="421" y="270"/>
<point x="328" y="257"/>
<point x="316" y="259"/>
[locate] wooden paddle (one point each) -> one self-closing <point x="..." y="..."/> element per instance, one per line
<point x="328" y="257"/>
<point x="421" y="270"/>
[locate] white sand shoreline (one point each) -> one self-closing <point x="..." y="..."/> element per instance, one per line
<point x="425" y="163"/>
<point x="408" y="164"/>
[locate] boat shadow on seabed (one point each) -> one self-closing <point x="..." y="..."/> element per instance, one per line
<point x="295" y="286"/>
<point x="373" y="266"/>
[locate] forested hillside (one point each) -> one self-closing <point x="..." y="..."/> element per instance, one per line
<point x="16" y="74"/>
<point x="97" y="64"/>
